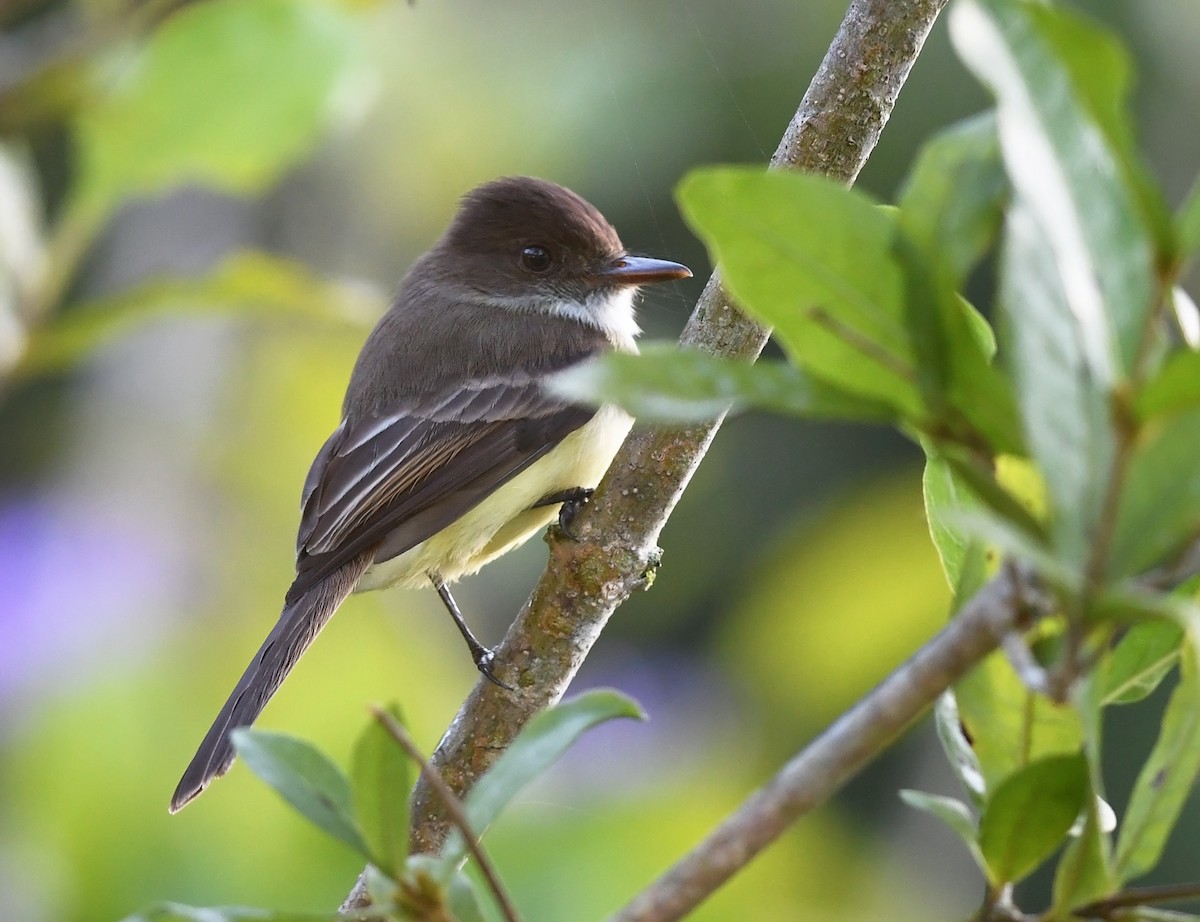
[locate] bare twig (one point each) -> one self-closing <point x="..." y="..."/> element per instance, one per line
<point x="1138" y="896"/>
<point x="454" y="810"/>
<point x="835" y="128"/>
<point x="839" y="753"/>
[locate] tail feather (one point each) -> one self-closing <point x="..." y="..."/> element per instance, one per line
<point x="298" y="626"/>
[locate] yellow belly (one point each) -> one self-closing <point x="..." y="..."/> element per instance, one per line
<point x="505" y="519"/>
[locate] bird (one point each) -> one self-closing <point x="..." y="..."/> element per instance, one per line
<point x="451" y="448"/>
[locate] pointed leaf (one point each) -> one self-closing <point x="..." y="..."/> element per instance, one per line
<point x="227" y="93"/>
<point x="954" y="813"/>
<point x="671" y="384"/>
<point x="382" y="777"/>
<point x="1175" y="388"/>
<point x="1061" y="85"/>
<point x="950" y="212"/>
<point x="1164" y="782"/>
<point x="1159" y="509"/>
<point x="1078" y="276"/>
<point x="1029" y="815"/>
<point x="957" y="747"/>
<point x="545" y="738"/>
<point x="304" y="777"/>
<point x="792" y="249"/>
<point x="1140" y="661"/>
<point x="951" y="205"/>
<point x="1187" y="222"/>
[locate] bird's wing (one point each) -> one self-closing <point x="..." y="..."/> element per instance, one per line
<point x="436" y="456"/>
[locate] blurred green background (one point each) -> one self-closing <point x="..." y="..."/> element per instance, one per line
<point x="150" y="466"/>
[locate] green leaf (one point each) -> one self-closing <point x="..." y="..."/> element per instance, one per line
<point x="1187" y="223"/>
<point x="950" y="211"/>
<point x="462" y="899"/>
<point x="1078" y="275"/>
<point x="247" y="284"/>
<point x="670" y="384"/>
<point x="1083" y="872"/>
<point x="1159" y="508"/>
<point x="177" y="912"/>
<point x="1061" y="85"/>
<point x="1164" y="782"/>
<point x="946" y="497"/>
<point x="228" y="93"/>
<point x="1140" y="661"/>
<point x="382" y="779"/>
<point x="1066" y="413"/>
<point x="304" y="777"/>
<point x="1008" y="725"/>
<point x="1029" y="815"/>
<point x="1176" y="387"/>
<point x="792" y="248"/>
<point x="952" y="203"/>
<point x="957" y="747"/>
<point x="954" y="813"/>
<point x="545" y="738"/>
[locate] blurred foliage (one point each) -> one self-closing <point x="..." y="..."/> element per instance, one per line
<point x="172" y="355"/>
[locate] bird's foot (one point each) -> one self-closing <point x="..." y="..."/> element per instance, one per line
<point x="572" y="499"/>
<point x="483" y="662"/>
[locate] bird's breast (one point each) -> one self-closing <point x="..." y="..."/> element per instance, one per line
<point x="508" y="517"/>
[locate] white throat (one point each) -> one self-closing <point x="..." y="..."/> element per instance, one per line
<point x="611" y="312"/>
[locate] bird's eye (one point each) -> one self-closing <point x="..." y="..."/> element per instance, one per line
<point x="535" y="258"/>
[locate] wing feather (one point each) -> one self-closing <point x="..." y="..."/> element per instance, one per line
<point x="438" y="455"/>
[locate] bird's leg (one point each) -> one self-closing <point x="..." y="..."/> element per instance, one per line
<point x="479" y="653"/>
<point x="573" y="499"/>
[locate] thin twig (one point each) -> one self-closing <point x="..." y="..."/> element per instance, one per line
<point x="839" y="753"/>
<point x="1138" y="896"/>
<point x="454" y="810"/>
<point x="833" y="131"/>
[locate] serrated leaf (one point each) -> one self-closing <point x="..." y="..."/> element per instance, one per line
<point x="1175" y="388"/>
<point x="1140" y="661"/>
<point x="1159" y="508"/>
<point x="382" y="779"/>
<point x="177" y="912"/>
<point x="670" y="384"/>
<point x="543" y="741"/>
<point x="1029" y="814"/>
<point x="792" y="248"/>
<point x="1164" y="782"/>
<point x="247" y="284"/>
<point x="954" y="813"/>
<point x="227" y="93"/>
<point x="305" y="777"/>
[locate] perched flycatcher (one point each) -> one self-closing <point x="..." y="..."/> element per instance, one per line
<point x="450" y="451"/>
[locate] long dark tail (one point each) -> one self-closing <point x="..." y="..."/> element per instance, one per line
<point x="298" y="626"/>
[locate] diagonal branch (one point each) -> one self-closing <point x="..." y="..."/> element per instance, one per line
<point x="836" y="127"/>
<point x="834" y="757"/>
